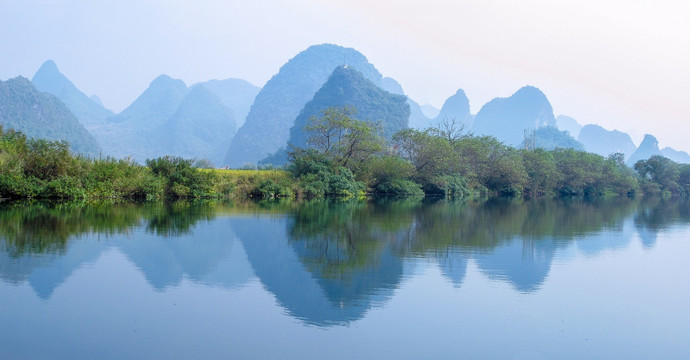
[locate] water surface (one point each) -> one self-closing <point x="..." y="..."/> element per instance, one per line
<point x="403" y="279"/>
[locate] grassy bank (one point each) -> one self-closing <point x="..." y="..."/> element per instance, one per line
<point x="260" y="184"/>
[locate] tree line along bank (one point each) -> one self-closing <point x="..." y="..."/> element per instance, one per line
<point x="344" y="157"/>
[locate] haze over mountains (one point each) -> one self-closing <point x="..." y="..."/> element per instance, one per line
<point x="456" y="107"/>
<point x="168" y="118"/>
<point x="600" y="141"/>
<point x="88" y="110"/>
<point x="234" y="123"/>
<point x="508" y="118"/>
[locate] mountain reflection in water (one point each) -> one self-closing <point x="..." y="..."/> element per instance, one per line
<point x="325" y="262"/>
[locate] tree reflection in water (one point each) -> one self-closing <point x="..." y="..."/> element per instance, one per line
<point x="326" y="262"/>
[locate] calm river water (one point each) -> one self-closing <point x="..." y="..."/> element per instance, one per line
<point x="346" y="280"/>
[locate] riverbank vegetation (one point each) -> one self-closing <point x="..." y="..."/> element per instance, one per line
<point x="37" y="168"/>
<point x="344" y="157"/>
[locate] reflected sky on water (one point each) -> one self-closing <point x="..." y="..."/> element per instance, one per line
<point x="497" y="279"/>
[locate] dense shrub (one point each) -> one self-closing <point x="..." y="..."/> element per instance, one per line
<point x="37" y="168"/>
<point x="181" y="179"/>
<point x="319" y="175"/>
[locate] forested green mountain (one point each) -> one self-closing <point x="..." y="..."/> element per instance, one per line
<point x="550" y="138"/>
<point x="41" y="115"/>
<point x="566" y="123"/>
<point x="600" y="141"/>
<point x="348" y="87"/>
<point x="456" y="108"/>
<point x="236" y="94"/>
<point x="417" y="118"/>
<point x="267" y="126"/>
<point x="508" y="118"/>
<point x="89" y="112"/>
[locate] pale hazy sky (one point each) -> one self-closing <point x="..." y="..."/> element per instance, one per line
<point x="622" y="64"/>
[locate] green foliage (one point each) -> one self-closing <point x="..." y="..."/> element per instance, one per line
<point x="112" y="178"/>
<point x="540" y="166"/>
<point x="450" y="162"/>
<point x="343" y="139"/>
<point x="431" y="154"/>
<point x="37" y="168"/>
<point x="46" y="159"/>
<point x="389" y="175"/>
<point x="587" y="174"/>
<point x="270" y="189"/>
<point x="398" y="187"/>
<point x="661" y="176"/>
<point x="181" y="179"/>
<point x="343" y="147"/>
<point x="318" y="175"/>
<point x="245" y="183"/>
<point x="450" y="185"/>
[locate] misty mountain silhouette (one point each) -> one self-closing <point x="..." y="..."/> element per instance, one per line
<point x="90" y="112"/>
<point x="508" y="118"/>
<point x="600" y="141"/>
<point x="236" y="94"/>
<point x="456" y="108"/>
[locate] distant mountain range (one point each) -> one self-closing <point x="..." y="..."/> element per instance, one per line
<point x="600" y="141"/>
<point x="650" y="147"/>
<point x="236" y="94"/>
<point x="168" y="118"/>
<point x="232" y="122"/>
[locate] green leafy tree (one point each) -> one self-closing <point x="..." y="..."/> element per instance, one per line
<point x="540" y="166"/>
<point x="659" y="175"/>
<point x="342" y="138"/>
